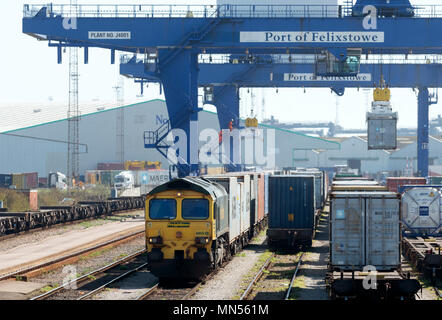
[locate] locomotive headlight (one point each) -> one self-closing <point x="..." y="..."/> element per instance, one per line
<point x="155" y="240"/>
<point x="201" y="240"/>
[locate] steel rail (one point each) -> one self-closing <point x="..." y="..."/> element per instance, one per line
<point x="69" y="256"/>
<point x="87" y="276"/>
<point x="148" y="292"/>
<point x="294" y="277"/>
<point x="124" y="275"/>
<point x="438" y="293"/>
<point x="256" y="278"/>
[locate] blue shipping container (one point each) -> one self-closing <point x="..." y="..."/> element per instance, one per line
<point x="291" y="202"/>
<point x="291" y="210"/>
<point x="5" y="180"/>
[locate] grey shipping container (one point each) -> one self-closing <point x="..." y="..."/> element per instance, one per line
<point x="231" y="186"/>
<point x="382" y="131"/>
<point x="291" y="210"/>
<point x="365" y="230"/>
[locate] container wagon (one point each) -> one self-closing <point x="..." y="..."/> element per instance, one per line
<point x="16" y="222"/>
<point x="292" y="212"/>
<point x="365" y="236"/>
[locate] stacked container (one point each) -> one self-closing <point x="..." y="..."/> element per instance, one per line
<point x="365" y="230"/>
<point x="30" y="180"/>
<point x="110" y="166"/>
<point x="394" y="183"/>
<point x="435" y="180"/>
<point x="5" y="180"/>
<point x="18" y="180"/>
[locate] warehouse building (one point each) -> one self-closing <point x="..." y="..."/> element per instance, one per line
<point x="354" y="153"/>
<point x="37" y="141"/>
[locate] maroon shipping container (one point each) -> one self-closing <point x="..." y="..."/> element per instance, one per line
<point x="31" y="180"/>
<point x="110" y="166"/>
<point x="261" y="196"/>
<point x="42" y="182"/>
<point x="393" y="183"/>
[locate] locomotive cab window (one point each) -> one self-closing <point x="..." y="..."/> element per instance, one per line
<point x="162" y="209"/>
<point x="195" y="209"/>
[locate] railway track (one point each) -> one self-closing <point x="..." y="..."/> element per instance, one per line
<point x="289" y="290"/>
<point x="255" y="279"/>
<point x="36" y="268"/>
<point x="266" y="266"/>
<point x="89" y="285"/>
<point x="438" y="293"/>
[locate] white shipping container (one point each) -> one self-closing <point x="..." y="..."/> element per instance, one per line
<point x="151" y="178"/>
<point x="422" y="210"/>
<point x="365" y="230"/>
<point x="232" y="188"/>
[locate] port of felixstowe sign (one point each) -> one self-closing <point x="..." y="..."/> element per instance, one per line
<point x="311" y="77"/>
<point x="311" y="37"/>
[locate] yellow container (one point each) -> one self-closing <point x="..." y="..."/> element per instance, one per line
<point x="251" y="122"/>
<point x="18" y="180"/>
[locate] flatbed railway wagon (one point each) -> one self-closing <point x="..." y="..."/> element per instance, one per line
<point x="292" y="211"/>
<point x="365" y="236"/>
<point x="190" y="228"/>
<point x="47" y="216"/>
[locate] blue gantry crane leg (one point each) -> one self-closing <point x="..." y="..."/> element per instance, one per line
<point x="179" y="77"/>
<point x="422" y="132"/>
<point x="226" y="100"/>
<point x="423" y="146"/>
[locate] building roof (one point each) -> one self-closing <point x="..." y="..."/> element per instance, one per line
<point x="25" y="116"/>
<point x="21" y="116"/>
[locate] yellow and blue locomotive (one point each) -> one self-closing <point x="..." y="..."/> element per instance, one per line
<point x="187" y="228"/>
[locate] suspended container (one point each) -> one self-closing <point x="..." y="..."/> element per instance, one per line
<point x="382" y="122"/>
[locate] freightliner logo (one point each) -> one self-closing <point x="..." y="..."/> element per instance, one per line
<point x="311" y="37"/>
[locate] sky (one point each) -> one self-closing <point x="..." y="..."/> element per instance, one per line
<point x="30" y="74"/>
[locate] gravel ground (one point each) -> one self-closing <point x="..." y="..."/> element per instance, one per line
<point x="227" y="282"/>
<point x="89" y="263"/>
<point x="37" y="236"/>
<point x="310" y="281"/>
<point x="314" y="266"/>
<point x="129" y="288"/>
<point x="274" y="283"/>
<point x="428" y="292"/>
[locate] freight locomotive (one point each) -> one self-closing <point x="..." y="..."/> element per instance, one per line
<point x="195" y="224"/>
